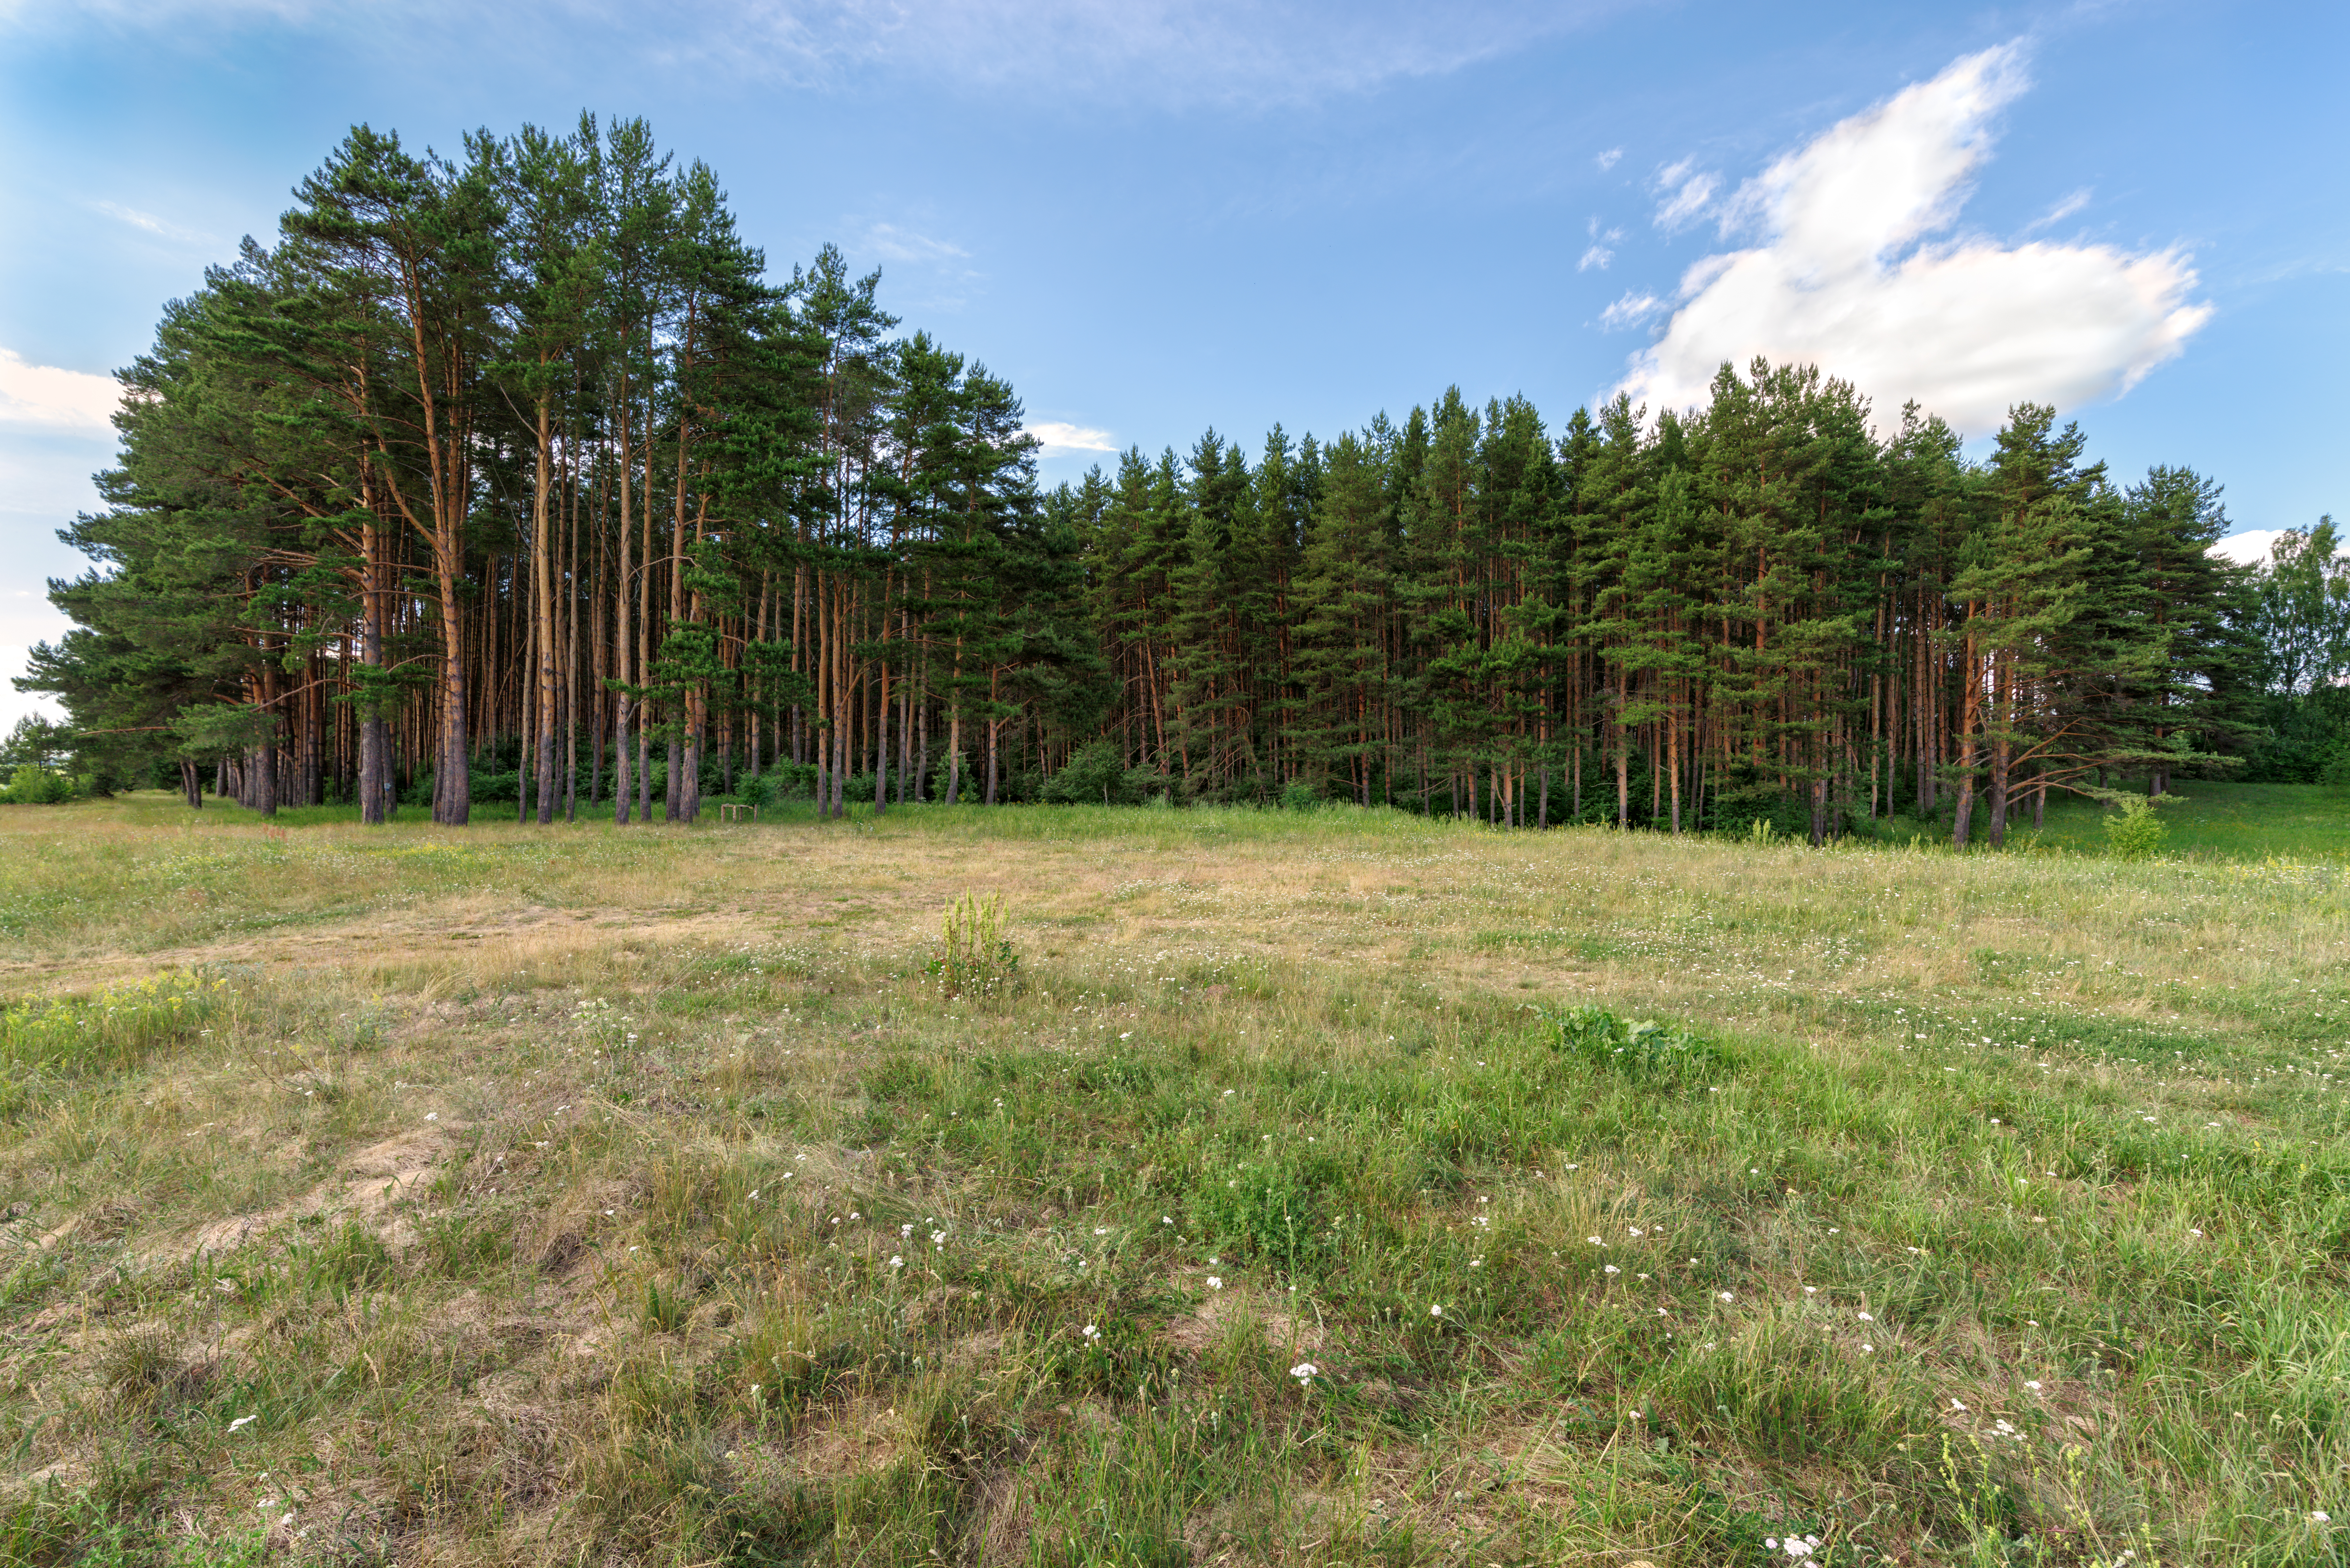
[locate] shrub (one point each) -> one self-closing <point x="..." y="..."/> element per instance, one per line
<point x="1097" y="774"/>
<point x="34" y="785"/>
<point x="2336" y="771"/>
<point x="1301" y="797"/>
<point x="2136" y="833"/>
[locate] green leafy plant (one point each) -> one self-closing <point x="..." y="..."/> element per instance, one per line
<point x="665" y="1307"/>
<point x="33" y="784"/>
<point x="973" y="955"/>
<point x="1643" y="1048"/>
<point x="1097" y="774"/>
<point x="2136" y="833"/>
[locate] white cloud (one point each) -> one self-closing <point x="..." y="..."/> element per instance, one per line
<point x="1846" y="275"/>
<point x="1162" y="52"/>
<point x="1684" y="193"/>
<point x="153" y="224"/>
<point x="1608" y="159"/>
<point x="1629" y="311"/>
<point x="2061" y="210"/>
<point x="27" y="617"/>
<point x="1058" y="438"/>
<point x="51" y="398"/>
<point x="2252" y="548"/>
<point x="891" y="243"/>
<point x="1253" y="51"/>
<point x="1601" y="252"/>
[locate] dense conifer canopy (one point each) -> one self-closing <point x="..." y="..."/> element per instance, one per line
<point x="525" y="457"/>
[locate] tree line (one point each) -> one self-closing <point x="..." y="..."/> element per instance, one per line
<point x="518" y="471"/>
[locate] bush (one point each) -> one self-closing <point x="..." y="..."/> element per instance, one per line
<point x="1096" y="774"/>
<point x="34" y="785"/>
<point x="2336" y="771"/>
<point x="2136" y="833"/>
<point x="1301" y="797"/>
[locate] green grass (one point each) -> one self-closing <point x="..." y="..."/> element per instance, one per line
<point x="2215" y="819"/>
<point x="520" y="1196"/>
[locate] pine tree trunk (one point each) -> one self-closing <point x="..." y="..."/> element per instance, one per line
<point x="623" y="703"/>
<point x="543" y="613"/>
<point x="1962" y="826"/>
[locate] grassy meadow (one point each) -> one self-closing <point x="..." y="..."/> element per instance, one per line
<point x="1301" y="1188"/>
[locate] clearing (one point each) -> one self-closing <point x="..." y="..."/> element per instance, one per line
<point x="1294" y="1188"/>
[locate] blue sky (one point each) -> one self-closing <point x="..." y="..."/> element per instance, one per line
<point x="1155" y="217"/>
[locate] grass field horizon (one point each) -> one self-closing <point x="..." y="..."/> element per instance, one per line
<point x="1326" y="1187"/>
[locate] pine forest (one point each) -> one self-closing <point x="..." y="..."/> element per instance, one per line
<point x="524" y="457"/>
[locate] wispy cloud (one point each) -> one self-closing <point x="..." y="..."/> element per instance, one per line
<point x="1601" y="252"/>
<point x="1241" y="52"/>
<point x="1058" y="438"/>
<point x="1609" y="159"/>
<point x="45" y="398"/>
<point x="891" y="243"/>
<point x="1164" y="53"/>
<point x="153" y="224"/>
<point x="1848" y="274"/>
<point x="1630" y="311"/>
<point x="1684" y="194"/>
<point x="2061" y="210"/>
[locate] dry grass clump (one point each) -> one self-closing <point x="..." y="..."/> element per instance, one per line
<point x="519" y="1196"/>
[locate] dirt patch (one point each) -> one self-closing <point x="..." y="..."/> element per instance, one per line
<point x="1005" y="1514"/>
<point x="372" y="1187"/>
<point x="1221" y="1312"/>
<point x="856" y="1438"/>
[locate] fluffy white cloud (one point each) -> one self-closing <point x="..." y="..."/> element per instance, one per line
<point x="48" y="399"/>
<point x="2252" y="548"/>
<point x="1058" y="438"/>
<point x="1609" y="159"/>
<point x="1848" y="274"/>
